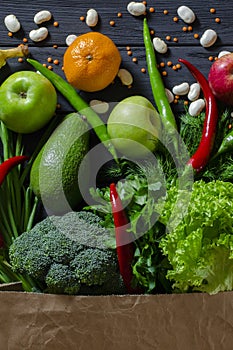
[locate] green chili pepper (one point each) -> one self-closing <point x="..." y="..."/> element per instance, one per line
<point x="78" y="103"/>
<point x="157" y="84"/>
<point x="226" y="145"/>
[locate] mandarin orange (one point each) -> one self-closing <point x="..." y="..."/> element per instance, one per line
<point x="91" y="62"/>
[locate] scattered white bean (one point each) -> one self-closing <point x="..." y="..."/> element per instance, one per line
<point x="170" y="95"/>
<point x="194" y="92"/>
<point x="125" y="76"/>
<point x="223" y="53"/>
<point x="42" y="16"/>
<point x="12" y="23"/>
<point x="196" y="107"/>
<point x="70" y="38"/>
<point x="159" y="45"/>
<point x="100" y="107"/>
<point x="208" y="38"/>
<point x="186" y="14"/>
<point x="136" y="8"/>
<point x="38" y="34"/>
<point x="181" y="89"/>
<point x="92" y="18"/>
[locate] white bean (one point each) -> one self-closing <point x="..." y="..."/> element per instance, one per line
<point x="159" y="45"/>
<point x="170" y="95"/>
<point x="136" y="8"/>
<point x="223" y="53"/>
<point x="92" y="18"/>
<point x="208" y="38"/>
<point x="196" y="107"/>
<point x="100" y="107"/>
<point x="186" y="14"/>
<point x="125" y="76"/>
<point x="12" y="23"/>
<point x="194" y="92"/>
<point x="42" y="16"/>
<point x="38" y="34"/>
<point x="70" y="38"/>
<point x="181" y="89"/>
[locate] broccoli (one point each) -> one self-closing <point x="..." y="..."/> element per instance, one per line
<point x="68" y="255"/>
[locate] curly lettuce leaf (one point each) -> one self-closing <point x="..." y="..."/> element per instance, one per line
<point x="200" y="247"/>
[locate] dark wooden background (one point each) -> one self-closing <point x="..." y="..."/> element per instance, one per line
<point x="126" y="32"/>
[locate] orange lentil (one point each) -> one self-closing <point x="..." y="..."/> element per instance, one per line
<point x="175" y="101"/>
<point x="10" y="34"/>
<point x="177" y="97"/>
<point x="186" y="103"/>
<point x="175" y="19"/>
<point x="112" y="23"/>
<point x="119" y="14"/>
<point x="56" y="61"/>
<point x="20" y="59"/>
<point x="215" y="58"/>
<point x="25" y="40"/>
<point x="135" y="59"/>
<point x="196" y="35"/>
<point x="174" y="67"/>
<point x="50" y="67"/>
<point x="162" y="64"/>
<point x="212" y="10"/>
<point x="128" y="48"/>
<point x="55" y="24"/>
<point x="49" y="59"/>
<point x="129" y="53"/>
<point x="151" y="9"/>
<point x="175" y="40"/>
<point x="44" y="65"/>
<point x="143" y="70"/>
<point x="144" y="2"/>
<point x="210" y="58"/>
<point x="229" y="126"/>
<point x="190" y="28"/>
<point x="184" y="29"/>
<point x="164" y="73"/>
<point x="152" y="32"/>
<point x="82" y="18"/>
<point x="169" y="63"/>
<point x="178" y="65"/>
<point x="217" y="20"/>
<point x="55" y="46"/>
<point x="168" y="37"/>
<point x="165" y="12"/>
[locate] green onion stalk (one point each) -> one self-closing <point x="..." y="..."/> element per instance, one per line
<point x="18" y="204"/>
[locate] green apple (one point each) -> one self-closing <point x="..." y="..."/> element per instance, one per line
<point x="134" y="127"/>
<point x="28" y="101"/>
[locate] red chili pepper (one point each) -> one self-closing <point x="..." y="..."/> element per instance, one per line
<point x="8" y="164"/>
<point x="202" y="155"/>
<point x="124" y="240"/>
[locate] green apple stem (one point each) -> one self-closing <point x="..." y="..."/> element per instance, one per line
<point x="19" y="51"/>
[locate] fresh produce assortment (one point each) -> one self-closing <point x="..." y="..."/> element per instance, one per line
<point x="130" y="199"/>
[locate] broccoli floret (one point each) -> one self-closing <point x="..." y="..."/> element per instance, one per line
<point x="66" y="254"/>
<point x="60" y="279"/>
<point x="94" y="266"/>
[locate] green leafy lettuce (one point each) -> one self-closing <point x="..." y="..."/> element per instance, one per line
<point x="200" y="246"/>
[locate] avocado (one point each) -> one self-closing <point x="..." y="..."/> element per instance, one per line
<point x="61" y="164"/>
